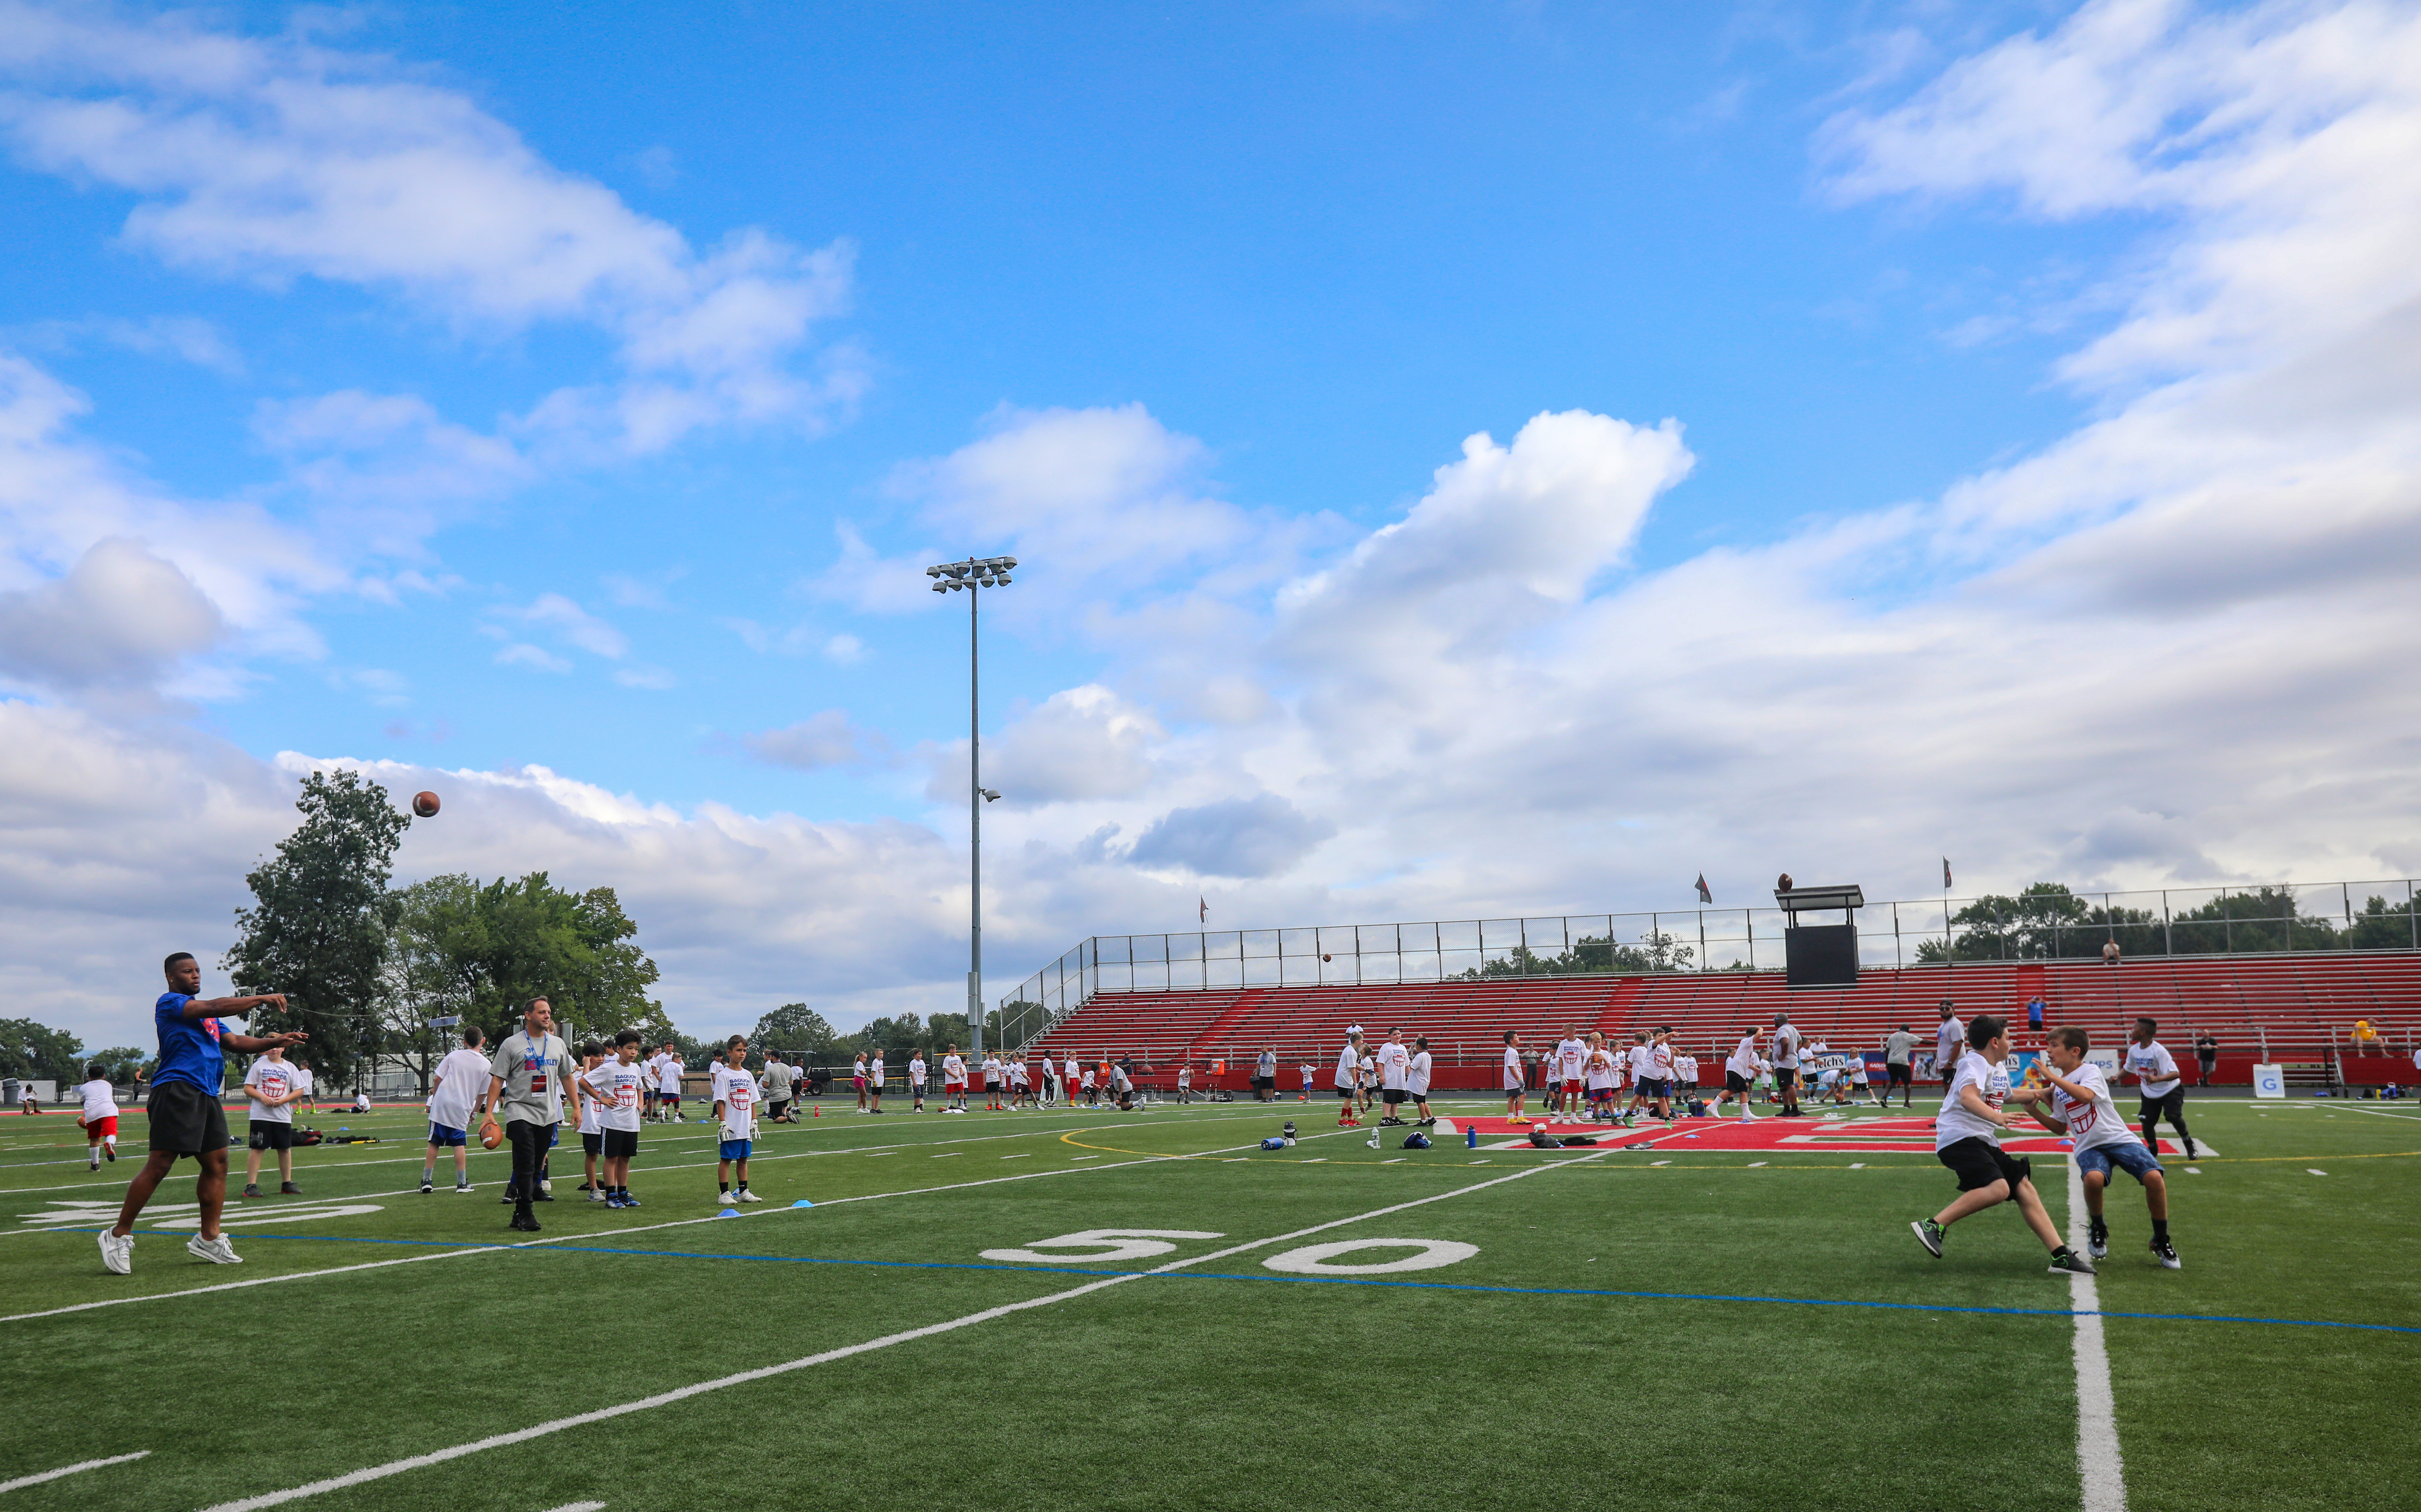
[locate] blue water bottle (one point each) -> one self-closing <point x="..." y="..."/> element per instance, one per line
<point x="1470" y="1138"/>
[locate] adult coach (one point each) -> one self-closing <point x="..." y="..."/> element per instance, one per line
<point x="1898" y="1048"/>
<point x="526" y="1079"/>
<point x="1949" y="1042"/>
<point x="186" y="1118"/>
<point x="1786" y="1066"/>
<point x="1265" y="1075"/>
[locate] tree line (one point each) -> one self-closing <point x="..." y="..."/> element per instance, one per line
<point x="2049" y="922"/>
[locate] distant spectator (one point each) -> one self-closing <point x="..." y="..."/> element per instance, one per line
<point x="2035" y="1013"/>
<point x="2366" y="1038"/>
<point x="2207" y="1054"/>
<point x="2110" y="953"/>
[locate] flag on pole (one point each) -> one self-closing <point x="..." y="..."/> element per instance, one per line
<point x="1202" y="906"/>
<point x="1945" y="874"/>
<point x="1704" y="896"/>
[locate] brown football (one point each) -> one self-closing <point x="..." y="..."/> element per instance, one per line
<point x="490" y="1136"/>
<point x="424" y="804"/>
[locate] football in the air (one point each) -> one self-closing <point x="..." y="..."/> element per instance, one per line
<point x="424" y="804"/>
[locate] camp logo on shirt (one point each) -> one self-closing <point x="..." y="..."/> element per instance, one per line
<point x="739" y="1095"/>
<point x="535" y="1066"/>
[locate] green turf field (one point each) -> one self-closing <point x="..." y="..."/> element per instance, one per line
<point x="383" y="1332"/>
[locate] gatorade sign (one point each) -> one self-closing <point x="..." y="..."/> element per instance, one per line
<point x="2269" y="1080"/>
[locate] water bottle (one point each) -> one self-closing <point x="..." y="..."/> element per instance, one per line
<point x="1470" y="1138"/>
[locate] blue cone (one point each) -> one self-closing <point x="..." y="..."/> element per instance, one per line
<point x="803" y="1203"/>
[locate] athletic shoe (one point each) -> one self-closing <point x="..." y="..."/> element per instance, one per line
<point x="2097" y="1241"/>
<point x="287" y="1189"/>
<point x="613" y="1200"/>
<point x="595" y="1195"/>
<point x="629" y="1201"/>
<point x="746" y="1195"/>
<point x="585" y="1187"/>
<point x="1929" y="1234"/>
<point x="216" y="1251"/>
<point x="461" y="1189"/>
<point x="2072" y="1264"/>
<point x="109" y="1152"/>
<point x="428" y="1187"/>
<point x="251" y="1189"/>
<point x="2166" y="1254"/>
<point x="118" y="1252"/>
<point x="523" y="1223"/>
<point x="93" y="1165"/>
<point x="2190" y="1152"/>
<point x="543" y="1195"/>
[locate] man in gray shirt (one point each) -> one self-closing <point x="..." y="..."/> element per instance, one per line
<point x="1898" y="1048"/>
<point x="778" y="1077"/>
<point x="1265" y="1075"/>
<point x="527" y="1081"/>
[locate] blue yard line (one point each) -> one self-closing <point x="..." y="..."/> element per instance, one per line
<point x="1357" y="1281"/>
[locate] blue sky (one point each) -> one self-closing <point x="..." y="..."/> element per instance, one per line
<point x="1194" y="312"/>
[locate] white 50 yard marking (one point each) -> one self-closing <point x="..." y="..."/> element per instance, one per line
<point x="1315" y="1259"/>
<point x="397" y="1467"/>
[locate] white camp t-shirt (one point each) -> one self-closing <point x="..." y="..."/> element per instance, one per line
<point x="2093" y="1122"/>
<point x="1070" y="1072"/>
<point x="1659" y="1062"/>
<point x="1570" y="1055"/>
<point x="1392" y="1058"/>
<point x="1686" y="1068"/>
<point x="1185" y="1076"/>
<point x="737" y="1091"/>
<point x="1600" y="1074"/>
<point x="1786" y="1047"/>
<point x="618" y="1086"/>
<point x="1017" y="1073"/>
<point x="1636" y="1058"/>
<point x="1744" y="1061"/>
<point x="1512" y="1069"/>
<point x="2152" y="1066"/>
<point x="1949" y="1042"/>
<point x="917" y="1070"/>
<point x="1349" y="1066"/>
<point x="592" y="1117"/>
<point x="274" y="1079"/>
<point x="100" y="1100"/>
<point x="874" y="1075"/>
<point x="1416" y="1074"/>
<point x="1857" y="1071"/>
<point x="461" y="1078"/>
<point x="954" y="1068"/>
<point x="1954" y="1122"/>
<point x="668" y="1074"/>
<point x="1308" y="1070"/>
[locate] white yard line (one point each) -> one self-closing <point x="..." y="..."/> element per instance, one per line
<point x="397" y="1467"/>
<point x="2099" y="1466"/>
<point x="23" y="1481"/>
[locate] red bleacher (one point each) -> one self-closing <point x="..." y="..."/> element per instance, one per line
<point x="2293" y="1008"/>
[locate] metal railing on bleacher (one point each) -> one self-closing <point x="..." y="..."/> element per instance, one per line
<point x="2062" y="926"/>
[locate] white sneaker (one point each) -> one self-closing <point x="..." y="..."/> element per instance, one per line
<point x="743" y="1195"/>
<point x="118" y="1252"/>
<point x="216" y="1251"/>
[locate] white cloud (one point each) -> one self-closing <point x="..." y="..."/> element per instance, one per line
<point x="523" y="654"/>
<point x="812" y="744"/>
<point x="1082" y="744"/>
<point x="122" y="616"/>
<point x="569" y="624"/>
<point x="1258" y="837"/>
<point x="270" y="158"/>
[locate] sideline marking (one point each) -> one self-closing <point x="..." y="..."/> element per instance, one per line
<point x="23" y="1481"/>
<point x="2098" y="1467"/>
<point x="397" y="1467"/>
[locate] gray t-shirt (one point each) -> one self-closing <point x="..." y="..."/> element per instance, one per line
<point x="777" y="1081"/>
<point x="1898" y="1047"/>
<point x="1267" y="1066"/>
<point x="533" y="1073"/>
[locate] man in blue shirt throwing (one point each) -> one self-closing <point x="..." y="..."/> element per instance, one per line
<point x="186" y="1117"/>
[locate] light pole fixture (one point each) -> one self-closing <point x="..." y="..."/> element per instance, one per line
<point x="975" y="574"/>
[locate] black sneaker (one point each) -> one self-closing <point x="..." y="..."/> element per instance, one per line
<point x="2166" y="1254"/>
<point x="585" y="1186"/>
<point x="426" y="1188"/>
<point x="287" y="1189"/>
<point x="2097" y="1240"/>
<point x="251" y="1189"/>
<point x="1929" y="1234"/>
<point x="2069" y="1263"/>
<point x="523" y="1221"/>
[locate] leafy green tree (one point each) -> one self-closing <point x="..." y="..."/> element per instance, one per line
<point x="120" y="1062"/>
<point x="2046" y="922"/>
<point x="32" y="1051"/>
<point x="320" y="917"/>
<point x="795" y="1030"/>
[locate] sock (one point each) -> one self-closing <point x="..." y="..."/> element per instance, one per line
<point x="723" y="1186"/>
<point x="428" y="1175"/>
<point x="2160" y="1231"/>
<point x="2060" y="1254"/>
<point x="743" y="1186"/>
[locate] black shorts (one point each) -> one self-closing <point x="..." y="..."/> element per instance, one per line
<point x="1976" y="1161"/>
<point x="1345" y="1092"/>
<point x="773" y="1109"/>
<point x="1897" y="1072"/>
<point x="2172" y="1105"/>
<point x="186" y="1120"/>
<point x="1784" y="1078"/>
<point x="269" y="1134"/>
<point x="1264" y="1083"/>
<point x="1392" y="1095"/>
<point x="621" y="1144"/>
<point x="591" y="1143"/>
<point x="1653" y="1087"/>
<point x="1735" y="1082"/>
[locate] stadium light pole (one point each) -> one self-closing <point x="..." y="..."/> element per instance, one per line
<point x="973" y="576"/>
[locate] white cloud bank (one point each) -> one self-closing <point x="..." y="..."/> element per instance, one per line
<point x="2179" y="643"/>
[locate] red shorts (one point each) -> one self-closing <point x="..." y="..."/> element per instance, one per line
<point x="100" y="1128"/>
<point x="956" y="1089"/>
<point x="1571" y="1088"/>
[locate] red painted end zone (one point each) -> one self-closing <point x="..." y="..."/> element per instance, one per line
<point x="1883" y="1136"/>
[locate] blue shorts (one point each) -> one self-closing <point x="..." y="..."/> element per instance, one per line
<point x="439" y="1134"/>
<point x="2130" y="1157"/>
<point x="734" y="1150"/>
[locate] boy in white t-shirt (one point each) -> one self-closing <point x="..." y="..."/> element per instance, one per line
<point x="1514" y="1085"/>
<point x="1417" y="1081"/>
<point x="2162" y="1084"/>
<point x="735" y="1109"/>
<point x="98" y="1118"/>
<point x="454" y="1095"/>
<point x="1598" y="1072"/>
<point x="274" y="1089"/>
<point x="917" y="1080"/>
<point x="954" y="1080"/>
<point x="592" y="1120"/>
<point x="1739" y="1074"/>
<point x="616" y="1088"/>
<point x="1184" y="1083"/>
<point x="669" y="1067"/>
<point x="2082" y="1107"/>
<point x="1390" y="1062"/>
<point x="1967" y="1139"/>
<point x="1349" y="1081"/>
<point x="875" y="1075"/>
<point x="1311" y="1072"/>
